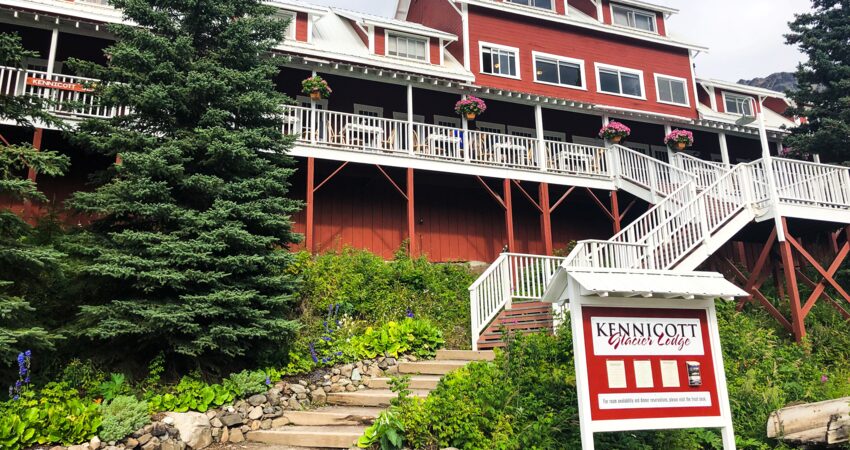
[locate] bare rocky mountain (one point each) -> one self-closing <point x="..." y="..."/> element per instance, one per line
<point x="780" y="82"/>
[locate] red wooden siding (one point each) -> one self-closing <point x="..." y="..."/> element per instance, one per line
<point x="301" y="27"/>
<point x="721" y="105"/>
<point x="704" y="96"/>
<point x="435" y="50"/>
<point x="380" y="41"/>
<point x="777" y="105"/>
<point x="363" y="36"/>
<point x="536" y="35"/>
<point x="441" y="16"/>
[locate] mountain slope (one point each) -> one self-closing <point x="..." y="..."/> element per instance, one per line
<point x="780" y="82"/>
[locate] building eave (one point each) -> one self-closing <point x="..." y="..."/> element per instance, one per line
<point x="567" y="20"/>
<point x="648" y="6"/>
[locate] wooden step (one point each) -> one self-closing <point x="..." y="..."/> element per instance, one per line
<point x="421" y="382"/>
<point x="368" y="397"/>
<point x="342" y="437"/>
<point x="441" y="367"/>
<point x="333" y="416"/>
<point x="464" y="355"/>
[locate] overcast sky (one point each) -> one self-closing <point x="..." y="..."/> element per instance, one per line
<point x="745" y="37"/>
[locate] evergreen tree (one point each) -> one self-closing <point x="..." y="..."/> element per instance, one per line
<point x="190" y="233"/>
<point x="24" y="266"/>
<point x="823" y="96"/>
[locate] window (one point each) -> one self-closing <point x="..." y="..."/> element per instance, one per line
<point x="633" y="18"/>
<point x="738" y="104"/>
<point x="620" y="81"/>
<point x="368" y="111"/>
<point x="558" y="70"/>
<point x="490" y="127"/>
<point x="408" y="47"/>
<point x="545" y="4"/>
<point x="291" y="23"/>
<point x="501" y="61"/>
<point x="672" y="90"/>
<point x="445" y="121"/>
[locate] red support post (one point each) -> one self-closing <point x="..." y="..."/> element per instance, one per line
<point x="411" y="217"/>
<point x="509" y="214"/>
<point x="546" y="218"/>
<point x="36" y="144"/>
<point x="797" y="316"/>
<point x="615" y="212"/>
<point x="311" y="191"/>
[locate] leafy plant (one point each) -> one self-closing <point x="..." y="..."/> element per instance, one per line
<point x="316" y="84"/>
<point x="415" y="336"/>
<point x="387" y="433"/>
<point x="247" y="383"/>
<point x="122" y="416"/>
<point x="112" y="388"/>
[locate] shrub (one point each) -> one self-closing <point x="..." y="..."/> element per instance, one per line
<point x="122" y="416"/>
<point x="410" y="336"/>
<point x="247" y="383"/>
<point x="371" y="290"/>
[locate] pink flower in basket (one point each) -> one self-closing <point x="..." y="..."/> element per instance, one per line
<point x="615" y="132"/>
<point x="679" y="139"/>
<point x="470" y="107"/>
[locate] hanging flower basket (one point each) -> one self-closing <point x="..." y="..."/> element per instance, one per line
<point x="317" y="88"/>
<point x="679" y="140"/>
<point x="615" y="132"/>
<point x="471" y="107"/>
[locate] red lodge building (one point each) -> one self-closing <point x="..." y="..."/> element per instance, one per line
<point x="385" y="160"/>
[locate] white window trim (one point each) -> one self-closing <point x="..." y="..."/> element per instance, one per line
<point x="291" y="30"/>
<point x="553" y="8"/>
<point x="427" y="40"/>
<point x="359" y="108"/>
<point x="732" y="94"/>
<point x="579" y="62"/>
<point x="482" y="44"/>
<point x="304" y="100"/>
<point x="495" y="126"/>
<point x="524" y="130"/>
<point x="417" y="118"/>
<point x="448" y="119"/>
<point x="639" y="73"/>
<point x="687" y="103"/>
<point x="637" y="10"/>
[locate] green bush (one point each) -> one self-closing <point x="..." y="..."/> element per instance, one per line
<point x="246" y="383"/>
<point x="56" y="414"/>
<point x="374" y="291"/>
<point x="193" y="394"/>
<point x="410" y="336"/>
<point x="122" y="416"/>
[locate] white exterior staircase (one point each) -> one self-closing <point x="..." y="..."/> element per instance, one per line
<point x="698" y="207"/>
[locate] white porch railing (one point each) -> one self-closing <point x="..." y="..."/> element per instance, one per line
<point x="365" y="134"/>
<point x="801" y="183"/>
<point x="512" y="276"/>
<point x="68" y="95"/>
<point x="705" y="172"/>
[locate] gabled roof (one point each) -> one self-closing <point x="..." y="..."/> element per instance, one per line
<point x="742" y="88"/>
<point x="393" y="24"/>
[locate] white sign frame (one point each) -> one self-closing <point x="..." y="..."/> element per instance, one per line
<point x="588" y="426"/>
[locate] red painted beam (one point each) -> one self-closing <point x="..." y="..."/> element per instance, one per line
<point x="311" y="191"/>
<point x="509" y="214"/>
<point x="546" y="218"/>
<point x="413" y="248"/>
<point x="616" y="218"/>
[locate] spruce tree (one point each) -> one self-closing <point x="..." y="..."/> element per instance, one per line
<point x="823" y="96"/>
<point x="25" y="267"/>
<point x="189" y="241"/>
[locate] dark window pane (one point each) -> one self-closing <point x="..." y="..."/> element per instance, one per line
<point x="644" y="22"/>
<point x="631" y="85"/>
<point x="547" y="71"/>
<point x="487" y="61"/>
<point x="511" y="65"/>
<point x="609" y="81"/>
<point x="678" y="92"/>
<point x="570" y="74"/>
<point x="621" y="17"/>
<point x="664" y="93"/>
<point x="543" y="4"/>
<point x="732" y="106"/>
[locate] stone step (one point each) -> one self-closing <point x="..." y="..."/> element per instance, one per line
<point x="369" y="397"/>
<point x="422" y="382"/>
<point x="440" y="367"/>
<point x="342" y="437"/>
<point x="333" y="416"/>
<point x="465" y="355"/>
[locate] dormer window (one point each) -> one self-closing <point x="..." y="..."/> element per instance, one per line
<point x="406" y="46"/>
<point x="633" y="18"/>
<point x="544" y="4"/>
<point x="738" y="104"/>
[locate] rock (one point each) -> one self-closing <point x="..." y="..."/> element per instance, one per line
<point x="376" y="372"/>
<point x="412" y="358"/>
<point x="255" y="425"/>
<point x="173" y="445"/>
<point x="58" y="447"/>
<point x="216" y="423"/>
<point x="392" y="370"/>
<point x="159" y="429"/>
<point x="383" y="365"/>
<point x="152" y="444"/>
<point x="320" y="397"/>
<point x="256" y="413"/>
<point x="211" y="413"/>
<point x="302" y="383"/>
<point x="231" y="420"/>
<point x="94" y="443"/>
<point x="225" y="434"/>
<point x="245" y="429"/>
<point x="346" y="370"/>
<point x="79" y="447"/>
<point x="257" y="400"/>
<point x="194" y="428"/>
<point x="168" y="420"/>
<point x="143" y="439"/>
<point x="268" y="410"/>
<point x="236" y="436"/>
<point x="280" y="422"/>
<point x="335" y="371"/>
<point x="298" y="389"/>
<point x="350" y="388"/>
<point x="294" y="404"/>
<point x="274" y="396"/>
<point x="391" y="362"/>
<point x="337" y="388"/>
<point x="355" y="375"/>
<point x="131" y="443"/>
<point x="266" y="424"/>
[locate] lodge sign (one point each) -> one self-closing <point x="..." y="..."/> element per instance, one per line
<point x="58" y="85"/>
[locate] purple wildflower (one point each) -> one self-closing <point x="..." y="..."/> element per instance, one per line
<point x="268" y="381"/>
<point x="313" y="353"/>
<point x="824" y="378"/>
<point x="409" y="313"/>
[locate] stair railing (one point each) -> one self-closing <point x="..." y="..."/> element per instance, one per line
<point x="511" y="276"/>
<point x="659" y="178"/>
<point x="705" y="172"/>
